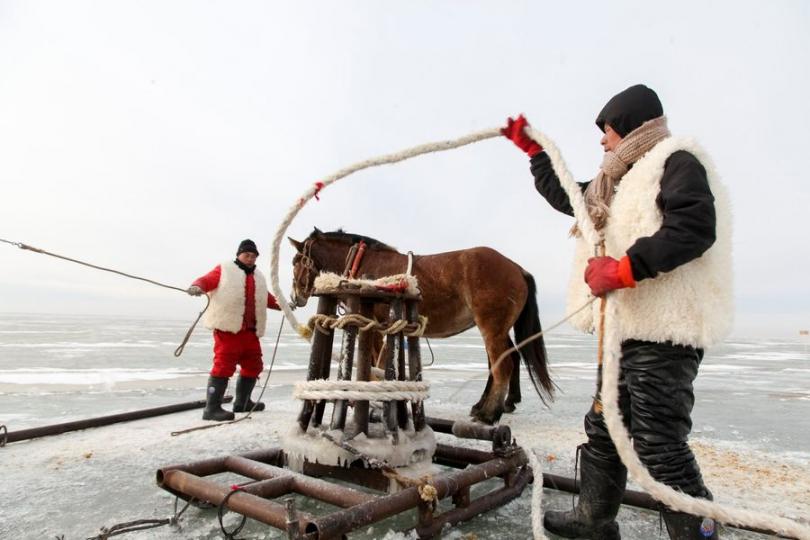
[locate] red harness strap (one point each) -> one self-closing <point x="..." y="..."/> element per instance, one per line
<point x="399" y="287"/>
<point x="361" y="249"/>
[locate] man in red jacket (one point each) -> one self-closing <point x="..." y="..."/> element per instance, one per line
<point x="238" y="316"/>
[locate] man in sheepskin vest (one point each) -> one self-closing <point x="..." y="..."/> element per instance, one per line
<point x="238" y="315"/>
<point x="664" y="217"/>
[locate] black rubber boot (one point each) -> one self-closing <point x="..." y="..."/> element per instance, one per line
<point x="213" y="404"/>
<point x="688" y="527"/>
<point x="242" y="403"/>
<point x="600" y="496"/>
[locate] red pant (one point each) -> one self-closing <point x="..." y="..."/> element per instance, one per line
<point x="242" y="348"/>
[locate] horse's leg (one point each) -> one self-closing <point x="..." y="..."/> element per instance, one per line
<point x="493" y="406"/>
<point x="477" y="407"/>
<point x="514" y="381"/>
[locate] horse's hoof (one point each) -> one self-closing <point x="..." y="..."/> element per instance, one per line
<point x="509" y="407"/>
<point x="488" y="418"/>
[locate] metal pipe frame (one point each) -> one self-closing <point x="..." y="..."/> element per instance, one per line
<point x="358" y="508"/>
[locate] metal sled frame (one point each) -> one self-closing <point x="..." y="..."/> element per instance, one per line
<point x="268" y="479"/>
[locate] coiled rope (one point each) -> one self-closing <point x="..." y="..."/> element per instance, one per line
<point x="319" y="389"/>
<point x="326" y="323"/>
<point x="610" y="394"/>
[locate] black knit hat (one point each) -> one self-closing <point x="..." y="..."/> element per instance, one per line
<point x="247" y="246"/>
<point x="630" y="108"/>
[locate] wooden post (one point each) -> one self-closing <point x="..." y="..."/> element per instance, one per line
<point x="364" y="361"/>
<point x="391" y="355"/>
<point x="346" y="365"/>
<point x="321" y="353"/>
<point x="415" y="365"/>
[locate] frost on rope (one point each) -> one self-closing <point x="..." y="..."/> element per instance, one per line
<point x="331" y="281"/>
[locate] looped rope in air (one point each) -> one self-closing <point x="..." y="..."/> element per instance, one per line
<point x="676" y="500"/>
<point x="179" y="350"/>
<point x="441" y="146"/>
<point x="326" y="323"/>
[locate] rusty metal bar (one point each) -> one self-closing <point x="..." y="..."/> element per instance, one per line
<point x="313" y="487"/>
<point x="476" y="507"/>
<point x="501" y="436"/>
<point x="252" y="506"/>
<point x="345" y="366"/>
<point x="415" y="365"/>
<point x="337" y="523"/>
<point x="364" y="361"/>
<point x="57" y="429"/>
<point x="216" y="465"/>
<point x="370" y="478"/>
<point x="321" y="349"/>
<point x="270" y="488"/>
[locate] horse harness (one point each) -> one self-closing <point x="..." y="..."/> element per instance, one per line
<point x="354" y="258"/>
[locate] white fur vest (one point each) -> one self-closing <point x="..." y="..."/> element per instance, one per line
<point x="690" y="305"/>
<point x="228" y="300"/>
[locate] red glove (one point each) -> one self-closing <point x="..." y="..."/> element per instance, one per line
<point x="605" y="274"/>
<point x="514" y="131"/>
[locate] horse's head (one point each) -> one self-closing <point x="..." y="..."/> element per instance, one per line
<point x="305" y="270"/>
<point x="325" y="252"/>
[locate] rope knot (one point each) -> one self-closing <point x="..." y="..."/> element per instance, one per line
<point x="318" y="187"/>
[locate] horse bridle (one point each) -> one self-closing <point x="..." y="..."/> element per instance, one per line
<point x="353" y="259"/>
<point x="308" y="266"/>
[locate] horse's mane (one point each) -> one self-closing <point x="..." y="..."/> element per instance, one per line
<point x="351" y="238"/>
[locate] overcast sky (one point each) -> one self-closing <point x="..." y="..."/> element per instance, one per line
<point x="153" y="136"/>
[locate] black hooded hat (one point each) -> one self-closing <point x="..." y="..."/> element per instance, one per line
<point x="246" y="246"/>
<point x="630" y="108"/>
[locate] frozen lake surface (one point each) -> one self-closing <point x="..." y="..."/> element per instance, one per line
<point x="751" y="428"/>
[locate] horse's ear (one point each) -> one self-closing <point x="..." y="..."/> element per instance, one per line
<point x="317" y="231"/>
<point x="296" y="244"/>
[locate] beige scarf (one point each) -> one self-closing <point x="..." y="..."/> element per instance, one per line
<point x="615" y="165"/>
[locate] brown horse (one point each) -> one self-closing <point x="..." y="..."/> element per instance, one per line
<point x="460" y="289"/>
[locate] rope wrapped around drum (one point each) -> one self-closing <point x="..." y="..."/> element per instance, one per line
<point x="324" y="323"/>
<point x="362" y="390"/>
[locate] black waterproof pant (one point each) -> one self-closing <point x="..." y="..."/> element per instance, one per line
<point x="655" y="399"/>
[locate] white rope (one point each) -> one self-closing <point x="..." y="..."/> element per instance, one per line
<point x="311" y="191"/>
<point x="321" y="389"/>
<point x="538" y="531"/>
<point x="610" y="394"/>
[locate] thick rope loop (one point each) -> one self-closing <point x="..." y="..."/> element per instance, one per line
<point x="326" y="323"/>
<point x="316" y="188"/>
<point x="221" y="512"/>
<point x="675" y="500"/>
<point x="321" y="389"/>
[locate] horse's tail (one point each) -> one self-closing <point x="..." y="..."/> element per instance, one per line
<point x="534" y="352"/>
